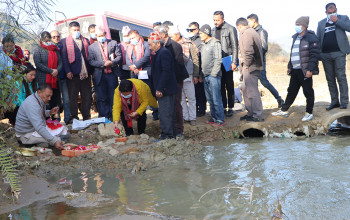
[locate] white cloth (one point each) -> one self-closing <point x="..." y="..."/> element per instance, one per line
<point x="80" y="125"/>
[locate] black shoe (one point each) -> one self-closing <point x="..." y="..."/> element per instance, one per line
<point x="245" y="117"/>
<point x="280" y="103"/>
<point x="330" y="107"/>
<point x="229" y="113"/>
<point x="252" y="119"/>
<point x="342" y="106"/>
<point x="200" y="114"/>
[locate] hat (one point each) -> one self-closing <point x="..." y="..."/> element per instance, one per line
<point x="206" y="29"/>
<point x="329" y="4"/>
<point x="125" y="30"/>
<point x="173" y="30"/>
<point x="154" y="36"/>
<point x="303" y="20"/>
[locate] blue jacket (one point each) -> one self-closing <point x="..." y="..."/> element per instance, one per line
<point x="144" y="62"/>
<point x="163" y="73"/>
<point x="95" y="59"/>
<point x="74" y="67"/>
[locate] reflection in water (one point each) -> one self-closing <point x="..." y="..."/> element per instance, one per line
<point x="240" y="179"/>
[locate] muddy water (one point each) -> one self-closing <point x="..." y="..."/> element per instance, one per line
<point x="237" y="179"/>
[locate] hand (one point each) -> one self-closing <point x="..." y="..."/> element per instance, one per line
<point x="195" y="80"/>
<point x="132" y="68"/>
<point x="54" y="73"/>
<point x="200" y="79"/>
<point x="133" y="114"/>
<point x="54" y="110"/>
<point x="136" y="71"/>
<point x="108" y="63"/>
<point x="334" y="18"/>
<point x="308" y="74"/>
<point x="116" y="123"/>
<point x="233" y="67"/>
<point x="70" y="75"/>
<point x="159" y="94"/>
<point x="59" y="145"/>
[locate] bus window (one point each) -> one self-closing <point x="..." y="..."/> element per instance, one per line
<point x="115" y="35"/>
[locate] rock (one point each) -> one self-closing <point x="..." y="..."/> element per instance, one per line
<point x="65" y="158"/>
<point x="144" y="136"/>
<point x="131" y="141"/>
<point x="119" y="144"/>
<point x="106" y="129"/>
<point x="113" y="152"/>
<point x="159" y="157"/>
<point x="107" y="143"/>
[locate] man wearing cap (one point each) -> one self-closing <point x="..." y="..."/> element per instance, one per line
<point x="190" y="56"/>
<point x="164" y="85"/>
<point x="331" y="33"/>
<point x="302" y="66"/>
<point x="253" y="22"/>
<point x="201" y="101"/>
<point x="211" y="68"/>
<point x="180" y="72"/>
<point x="251" y="63"/>
<point x="104" y="56"/>
<point x="227" y="35"/>
<point x="124" y="68"/>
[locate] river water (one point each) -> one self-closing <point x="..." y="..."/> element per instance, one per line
<point x="235" y="179"/>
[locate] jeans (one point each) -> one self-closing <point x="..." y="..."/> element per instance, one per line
<point x="65" y="97"/>
<point x="265" y="82"/>
<point x="212" y="87"/>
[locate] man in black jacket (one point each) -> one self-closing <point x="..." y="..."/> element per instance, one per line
<point x="180" y="72"/>
<point x="303" y="64"/>
<point x="227" y="35"/>
<point x="253" y="22"/>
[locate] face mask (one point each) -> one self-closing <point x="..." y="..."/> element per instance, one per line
<point x="190" y="35"/>
<point x="126" y="39"/>
<point x="298" y="29"/>
<point x="101" y="39"/>
<point x="134" y="41"/>
<point x="76" y="34"/>
<point x="329" y="16"/>
<point x="125" y="96"/>
<point x="93" y="35"/>
<point x="47" y="43"/>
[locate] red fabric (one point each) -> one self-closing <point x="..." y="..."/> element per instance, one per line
<point x="52" y="64"/>
<point x="154" y="36"/>
<point x="92" y="40"/>
<point x="139" y="50"/>
<point x="70" y="48"/>
<point x="104" y="52"/>
<point x="134" y="105"/>
<point x="17" y="57"/>
<point x="53" y="125"/>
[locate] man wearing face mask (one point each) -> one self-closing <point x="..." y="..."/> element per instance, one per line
<point x="331" y="33"/>
<point x="75" y="55"/>
<point x="48" y="64"/>
<point x="138" y="56"/>
<point x="123" y="68"/>
<point x="104" y="56"/>
<point x="303" y="64"/>
<point x="92" y="33"/>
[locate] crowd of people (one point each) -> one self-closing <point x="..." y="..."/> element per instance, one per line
<point x="174" y="75"/>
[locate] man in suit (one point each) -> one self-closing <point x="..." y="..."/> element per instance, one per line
<point x="180" y="72"/>
<point x="331" y="33"/>
<point x="78" y="70"/>
<point x="104" y="56"/>
<point x="227" y="35"/>
<point x="164" y="85"/>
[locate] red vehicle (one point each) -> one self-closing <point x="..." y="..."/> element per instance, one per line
<point x="112" y="22"/>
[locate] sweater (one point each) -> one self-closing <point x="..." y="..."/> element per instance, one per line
<point x="145" y="98"/>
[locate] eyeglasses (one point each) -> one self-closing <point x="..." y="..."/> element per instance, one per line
<point x="56" y="37"/>
<point x="191" y="30"/>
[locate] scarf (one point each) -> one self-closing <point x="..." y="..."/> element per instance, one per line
<point x="17" y="57"/>
<point x="52" y="64"/>
<point x="134" y="105"/>
<point x="70" y="48"/>
<point x="92" y="40"/>
<point x="104" y="52"/>
<point x="26" y="87"/>
<point x="185" y="47"/>
<point x="139" y="51"/>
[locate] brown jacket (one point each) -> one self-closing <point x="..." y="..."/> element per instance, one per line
<point x="250" y="50"/>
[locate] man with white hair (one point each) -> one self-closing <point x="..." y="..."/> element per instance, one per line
<point x="104" y="56"/>
<point x="180" y="72"/>
<point x="190" y="56"/>
<point x="123" y="68"/>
